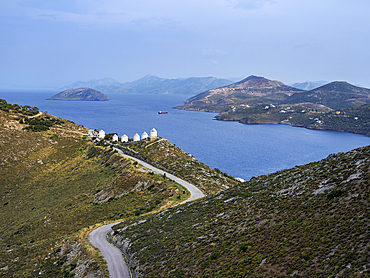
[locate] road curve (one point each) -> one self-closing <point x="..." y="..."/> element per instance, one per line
<point x="195" y="193"/>
<point x="117" y="266"/>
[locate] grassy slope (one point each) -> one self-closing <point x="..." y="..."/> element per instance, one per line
<point x="309" y="221"/>
<point x="53" y="185"/>
<point x="170" y="157"/>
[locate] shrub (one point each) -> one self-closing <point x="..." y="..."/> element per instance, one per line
<point x="180" y="273"/>
<point x="306" y="257"/>
<point x="334" y="194"/>
<point x="215" y="255"/>
<point x="245" y="247"/>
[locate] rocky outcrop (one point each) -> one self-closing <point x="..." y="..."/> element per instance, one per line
<point x="124" y="244"/>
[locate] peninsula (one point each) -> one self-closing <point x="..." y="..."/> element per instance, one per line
<point x="84" y="94"/>
<point x="337" y="106"/>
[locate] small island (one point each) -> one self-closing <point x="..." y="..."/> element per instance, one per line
<point x="84" y="94"/>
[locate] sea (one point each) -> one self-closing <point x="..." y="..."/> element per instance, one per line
<point x="239" y="150"/>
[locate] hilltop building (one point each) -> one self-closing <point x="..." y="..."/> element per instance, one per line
<point x="144" y="135"/>
<point x="136" y="137"/>
<point x="153" y="134"/>
<point x="124" y="138"/>
<point x="101" y="134"/>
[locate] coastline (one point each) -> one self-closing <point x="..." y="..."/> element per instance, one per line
<point x="242" y="121"/>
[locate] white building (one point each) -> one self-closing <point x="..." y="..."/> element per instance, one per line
<point x="144" y="135"/>
<point x="136" y="137"/>
<point x="91" y="133"/>
<point x="101" y="134"/>
<point x="153" y="134"/>
<point x="115" y="138"/>
<point x="124" y="138"/>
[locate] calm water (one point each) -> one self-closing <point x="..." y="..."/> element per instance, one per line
<point x="239" y="150"/>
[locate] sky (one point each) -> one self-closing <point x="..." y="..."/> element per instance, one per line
<point x="50" y="44"/>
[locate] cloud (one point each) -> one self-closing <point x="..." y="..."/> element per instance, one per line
<point x="93" y="13"/>
<point x="250" y="4"/>
<point x="91" y="18"/>
<point x="213" y="52"/>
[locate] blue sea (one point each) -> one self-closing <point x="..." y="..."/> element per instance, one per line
<point x="240" y="150"/>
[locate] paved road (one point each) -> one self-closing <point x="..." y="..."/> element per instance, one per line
<point x="195" y="193"/>
<point x="116" y="264"/>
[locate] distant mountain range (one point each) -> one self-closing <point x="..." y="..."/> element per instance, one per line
<point x="308" y="85"/>
<point x="154" y="85"/>
<point x="335" y="95"/>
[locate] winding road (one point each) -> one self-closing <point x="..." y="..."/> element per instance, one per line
<point x="117" y="266"/>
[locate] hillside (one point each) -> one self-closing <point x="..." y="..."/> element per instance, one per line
<point x="355" y="120"/>
<point x="256" y="100"/>
<point x="55" y="186"/>
<point x="308" y="221"/>
<point x="163" y="154"/>
<point x="335" y="95"/>
<point x="155" y="85"/>
<point x="252" y="90"/>
<point x="84" y="94"/>
<point x="308" y="115"/>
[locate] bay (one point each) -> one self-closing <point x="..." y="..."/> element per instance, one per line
<point x="237" y="149"/>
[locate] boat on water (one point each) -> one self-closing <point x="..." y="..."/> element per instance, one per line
<point x="162" y="112"/>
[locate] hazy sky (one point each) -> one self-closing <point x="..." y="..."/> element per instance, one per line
<point x="51" y="43"/>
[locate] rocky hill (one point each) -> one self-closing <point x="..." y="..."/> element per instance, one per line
<point x="155" y="85"/>
<point x="84" y="94"/>
<point x="164" y="155"/>
<point x="56" y="185"/>
<point x="335" y="95"/>
<point x="252" y="90"/>
<point x="256" y="100"/>
<point x="308" y="221"/>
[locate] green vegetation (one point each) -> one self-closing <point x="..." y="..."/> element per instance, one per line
<point x="309" y="221"/>
<point x="355" y="120"/>
<point x="24" y="110"/>
<point x="163" y="154"/>
<point x="55" y="185"/>
<point x="40" y="123"/>
<point x="270" y="114"/>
